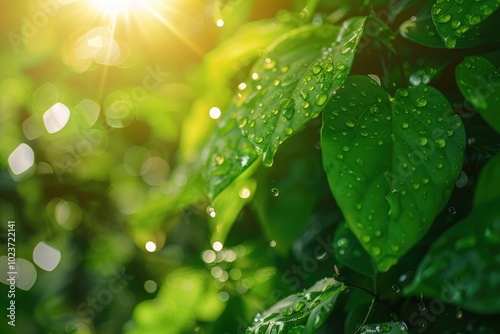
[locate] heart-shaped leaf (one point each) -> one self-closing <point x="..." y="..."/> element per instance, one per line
<point x="421" y="29"/>
<point x="454" y="18"/>
<point x="300" y="313"/>
<point x="391" y="162"/>
<point x="479" y="82"/>
<point x="292" y="83"/>
<point x="462" y="266"/>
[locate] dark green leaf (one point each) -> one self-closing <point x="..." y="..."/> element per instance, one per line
<point x="454" y="18"/>
<point x="462" y="267"/>
<point x="386" y="327"/>
<point x="488" y="183"/>
<point x="226" y="156"/>
<point x="286" y="196"/>
<point x="300" y="313"/>
<point x="391" y="162"/>
<point x="479" y="82"/>
<point x="350" y="253"/>
<point x="421" y="29"/>
<point x="292" y="83"/>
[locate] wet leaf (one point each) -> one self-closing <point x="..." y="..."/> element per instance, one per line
<point x="421" y="29"/>
<point x="391" y="162"/>
<point x="479" y="82"/>
<point x="227" y="155"/>
<point x="300" y="313"/>
<point x="350" y="253"/>
<point x="292" y="83"/>
<point x="454" y="18"/>
<point x="488" y="183"/>
<point x="386" y="327"/>
<point x="462" y="267"/>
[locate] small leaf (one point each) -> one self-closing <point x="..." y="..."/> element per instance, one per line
<point x="488" y="183"/>
<point x="462" y="266"/>
<point x="227" y="155"/>
<point x="228" y="205"/>
<point x="391" y="162"/>
<point x="350" y="253"/>
<point x="454" y="18"/>
<point x="421" y="29"/>
<point x="292" y="83"/>
<point x="300" y="313"/>
<point x="479" y="82"/>
<point x="386" y="327"/>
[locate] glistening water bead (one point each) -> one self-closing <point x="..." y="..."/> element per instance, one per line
<point x="275" y="192"/>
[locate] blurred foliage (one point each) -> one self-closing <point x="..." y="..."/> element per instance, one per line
<point x="181" y="166"/>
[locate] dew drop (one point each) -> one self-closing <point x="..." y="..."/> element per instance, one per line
<point x="316" y="69"/>
<point x="421" y="102"/>
<point x="374" y="110"/>
<point x="376" y="251"/>
<point x="403" y="93"/>
<point x="349" y="123"/>
<point x="288" y="113"/>
<point x="440" y="143"/>
<point x="396" y="288"/>
<point x="452" y="210"/>
<point x="288" y="131"/>
<point x="395" y="248"/>
<point x="405" y="125"/>
<point x="275" y="192"/>
<point x="462" y="181"/>
<point x="299" y="306"/>
<point x="242" y="121"/>
<point x="444" y="18"/>
<point x="321" y="99"/>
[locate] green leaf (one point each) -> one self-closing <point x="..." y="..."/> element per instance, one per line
<point x="462" y="266"/>
<point x="300" y="313"/>
<point x="488" y="183"/>
<point x="227" y="206"/>
<point x="292" y="83"/>
<point x="227" y="155"/>
<point x="349" y="252"/>
<point x="421" y="29"/>
<point x="479" y="82"/>
<point x="454" y="18"/>
<point x="286" y="196"/>
<point x="391" y="162"/>
<point x="386" y="328"/>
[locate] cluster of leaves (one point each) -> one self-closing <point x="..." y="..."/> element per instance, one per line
<point x="371" y="85"/>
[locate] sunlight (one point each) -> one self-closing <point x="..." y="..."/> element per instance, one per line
<point x="114" y="7"/>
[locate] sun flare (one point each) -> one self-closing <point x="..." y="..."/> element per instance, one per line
<point x="115" y="7"/>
